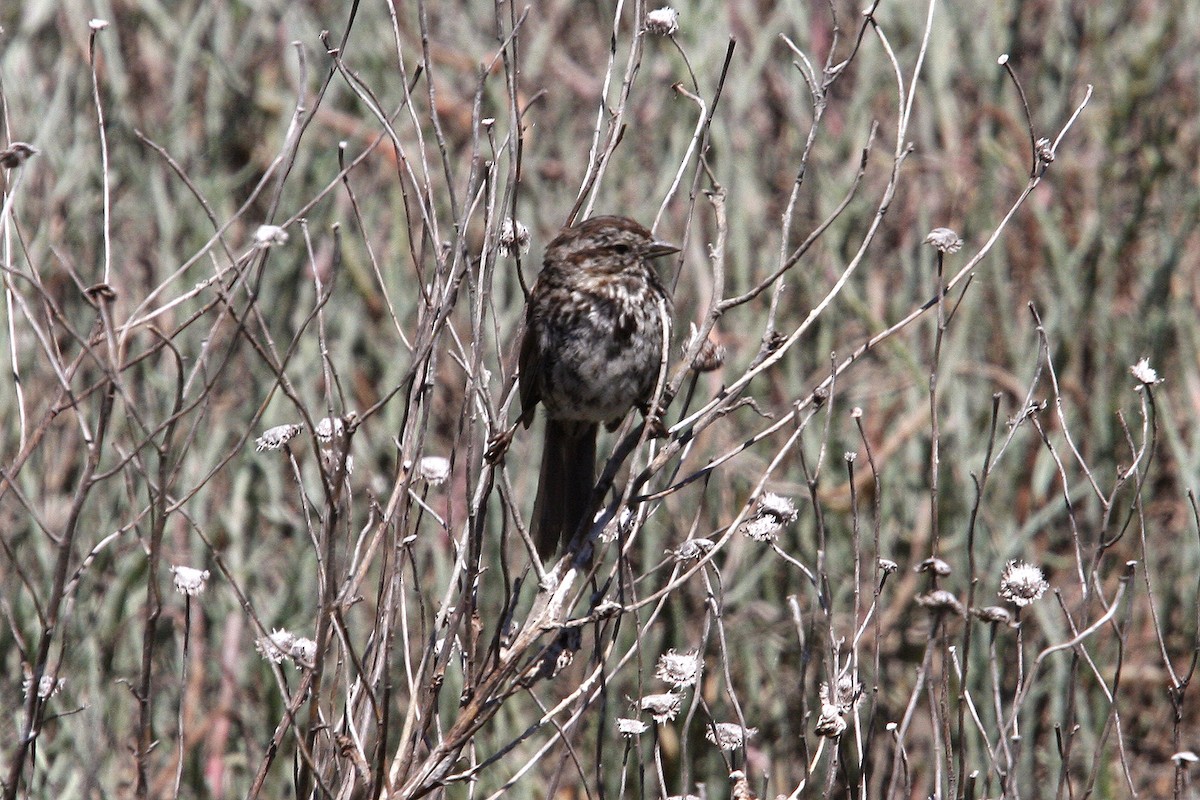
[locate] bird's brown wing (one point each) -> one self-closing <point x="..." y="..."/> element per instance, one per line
<point x="529" y="365"/>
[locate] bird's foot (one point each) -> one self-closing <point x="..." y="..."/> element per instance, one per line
<point x="498" y="445"/>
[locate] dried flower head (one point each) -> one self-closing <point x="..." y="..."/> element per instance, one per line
<point x="16" y="154"/>
<point x="771" y="514"/>
<point x="663" y="707"/>
<point x="304" y="652"/>
<point x="934" y="565"/>
<point x="434" y="469"/>
<point x="941" y="601"/>
<point x="513" y="239"/>
<point x="97" y="24"/>
<point x="845" y="694"/>
<point x="679" y="669"/>
<point x="711" y="355"/>
<point x="830" y="724"/>
<point x="729" y="735"/>
<point x="1145" y="374"/>
<point x="1045" y="152"/>
<point x="275" y="438"/>
<point x="189" y="581"/>
<point x="944" y="240"/>
<point x="277" y="646"/>
<point x="662" y="21"/>
<point x="1022" y="583"/>
<point x="848" y="692"/>
<point x="47" y="687"/>
<point x="887" y="566"/>
<point x="329" y="428"/>
<point x="1185" y="755"/>
<point x="269" y="236"/>
<point x="740" y="790"/>
<point x="778" y="506"/>
<point x="762" y="529"/>
<point x="692" y="549"/>
<point x="630" y="728"/>
<point x="835" y="705"/>
<point x="993" y="614"/>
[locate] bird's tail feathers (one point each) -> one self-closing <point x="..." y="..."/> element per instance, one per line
<point x="565" y="484"/>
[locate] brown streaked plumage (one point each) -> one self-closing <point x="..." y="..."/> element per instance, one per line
<point x="594" y="330"/>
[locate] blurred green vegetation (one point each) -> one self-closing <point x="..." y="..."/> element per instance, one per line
<point x="1106" y="250"/>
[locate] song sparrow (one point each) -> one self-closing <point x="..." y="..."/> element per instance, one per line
<point x="594" y="331"/>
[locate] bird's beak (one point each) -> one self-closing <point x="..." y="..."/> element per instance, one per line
<point x="657" y="249"/>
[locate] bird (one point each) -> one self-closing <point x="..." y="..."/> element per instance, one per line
<point x="596" y="323"/>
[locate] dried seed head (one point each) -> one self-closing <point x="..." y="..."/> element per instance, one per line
<point x="189" y="581"/>
<point x="941" y="601"/>
<point x="1022" y="583"/>
<point x="329" y="428"/>
<point x="1185" y="755"/>
<point x="275" y="438"/>
<point x="679" y="669"/>
<point x="304" y="652"/>
<point x="771" y="514"/>
<point x="778" y="506"/>
<point x="630" y="728"/>
<point x="935" y="566"/>
<point x="711" y="355"/>
<point x="993" y="614"/>
<point x="762" y="529"/>
<point x="887" y="566"/>
<point x="692" y="549"/>
<point x="1145" y="374"/>
<point x="741" y="787"/>
<point x="277" y="646"/>
<point x="663" y="707"/>
<point x="17" y="154"/>
<point x="729" y="735"/>
<point x="944" y="240"/>
<point x="1045" y="152"/>
<point x="844" y="697"/>
<point x="830" y="724"/>
<point x="269" y="236"/>
<point x="513" y="239"/>
<point x="848" y="692"/>
<point x="434" y="469"/>
<point x="47" y="687"/>
<point x="662" y="21"/>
